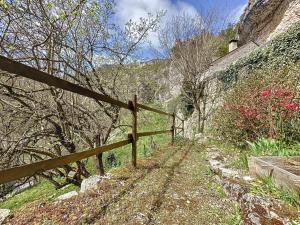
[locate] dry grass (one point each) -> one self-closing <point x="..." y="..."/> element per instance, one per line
<point x="171" y="187"/>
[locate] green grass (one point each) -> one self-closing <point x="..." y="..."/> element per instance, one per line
<point x="236" y="217"/>
<point x="147" y="121"/>
<point x="40" y="192"/>
<point x="266" y="188"/>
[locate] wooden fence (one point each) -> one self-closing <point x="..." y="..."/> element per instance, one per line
<point x="16" y="173"/>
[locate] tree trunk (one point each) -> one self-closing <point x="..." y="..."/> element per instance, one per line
<point x="199" y="118"/>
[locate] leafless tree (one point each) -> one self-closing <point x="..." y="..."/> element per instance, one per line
<point x="75" y="40"/>
<point x="192" y="45"/>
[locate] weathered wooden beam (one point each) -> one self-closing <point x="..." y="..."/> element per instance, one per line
<point x="173" y="128"/>
<point x="153" y="110"/>
<point x="260" y="167"/>
<point x="134" y="137"/>
<point x="99" y="160"/>
<point x="20" y="69"/>
<point x="150" y="133"/>
<point x="38" y="167"/>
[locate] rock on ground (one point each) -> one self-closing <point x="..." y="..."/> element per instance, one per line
<point x="67" y="196"/>
<point x="92" y="182"/>
<point x="256" y="211"/>
<point x="4" y="213"/>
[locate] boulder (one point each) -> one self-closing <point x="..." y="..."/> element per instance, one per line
<point x="228" y="173"/>
<point x="67" y="196"/>
<point x="92" y="182"/>
<point x="215" y="165"/>
<point x="235" y="189"/>
<point x="262" y="20"/>
<point x="4" y="213"/>
<point x="200" y="138"/>
<point x="71" y="174"/>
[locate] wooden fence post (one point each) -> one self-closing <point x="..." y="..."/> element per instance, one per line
<point x="99" y="162"/>
<point x="134" y="130"/>
<point x="173" y="128"/>
<point x="183" y="128"/>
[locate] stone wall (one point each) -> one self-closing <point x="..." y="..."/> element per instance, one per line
<point x="224" y="62"/>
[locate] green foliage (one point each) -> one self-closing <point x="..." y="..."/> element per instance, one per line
<point x="266" y="146"/>
<point x="266" y="187"/>
<point x="3" y="4"/>
<point x="263" y="104"/>
<point x="183" y="102"/>
<point x="282" y="51"/>
<point x="40" y="192"/>
<point x="147" y="79"/>
<point x="236" y="218"/>
<point x="241" y="161"/>
<point x="226" y="35"/>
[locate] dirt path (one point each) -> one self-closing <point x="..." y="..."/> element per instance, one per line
<point x="174" y="186"/>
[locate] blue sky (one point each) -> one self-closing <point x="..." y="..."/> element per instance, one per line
<point x="228" y="10"/>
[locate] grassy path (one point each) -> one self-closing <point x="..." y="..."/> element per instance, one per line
<point x="173" y="186"/>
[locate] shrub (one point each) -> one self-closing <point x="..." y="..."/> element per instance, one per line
<point x="265" y="104"/>
<point x="265" y="146"/>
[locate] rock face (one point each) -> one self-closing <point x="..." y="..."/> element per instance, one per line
<point x="265" y="19"/>
<point x="4" y="213"/>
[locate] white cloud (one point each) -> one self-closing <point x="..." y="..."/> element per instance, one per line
<point x="134" y="9"/>
<point x="235" y="14"/>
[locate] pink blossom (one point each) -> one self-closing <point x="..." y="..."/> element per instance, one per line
<point x="283" y="93"/>
<point x="292" y="106"/>
<point x="245" y="111"/>
<point x="266" y="93"/>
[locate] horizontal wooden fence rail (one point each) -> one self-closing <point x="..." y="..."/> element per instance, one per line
<point x="20" y="69"/>
<point x="38" y="167"/>
<point x="16" y="173"/>
<point x="144" y="134"/>
<point x="153" y="110"/>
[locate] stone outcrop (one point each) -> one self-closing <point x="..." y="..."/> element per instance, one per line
<point x="4" y="213"/>
<point x="265" y="19"/>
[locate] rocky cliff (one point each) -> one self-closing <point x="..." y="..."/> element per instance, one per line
<point x="265" y="19"/>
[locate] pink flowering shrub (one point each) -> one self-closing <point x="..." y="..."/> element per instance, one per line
<point x="263" y="105"/>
